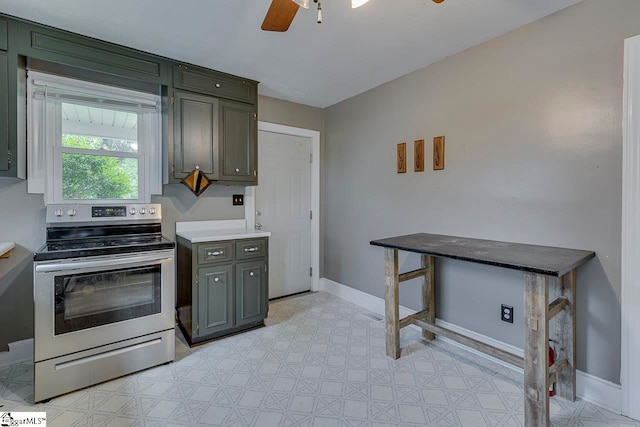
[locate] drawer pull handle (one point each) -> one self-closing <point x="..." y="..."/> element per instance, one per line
<point x="216" y="253"/>
<point x="254" y="249"/>
<point x="251" y="274"/>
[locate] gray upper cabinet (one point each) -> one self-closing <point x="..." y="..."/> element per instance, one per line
<point x="83" y="52"/>
<point x="4" y="113"/>
<point x="195" y="142"/>
<point x="201" y="80"/>
<point x="238" y="148"/>
<point x="227" y="145"/>
<point x="212" y="122"/>
<point x="4" y="30"/>
<point x="10" y="163"/>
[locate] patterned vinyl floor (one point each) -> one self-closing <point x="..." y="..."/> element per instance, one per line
<point x="320" y="361"/>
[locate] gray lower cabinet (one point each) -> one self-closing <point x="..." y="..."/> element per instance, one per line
<point x="250" y="292"/>
<point x="219" y="293"/>
<point x="215" y="302"/>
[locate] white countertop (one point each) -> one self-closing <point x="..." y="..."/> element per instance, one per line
<point x="6" y="247"/>
<point x="211" y="231"/>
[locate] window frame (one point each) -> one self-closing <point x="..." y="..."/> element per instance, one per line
<point x="45" y="137"/>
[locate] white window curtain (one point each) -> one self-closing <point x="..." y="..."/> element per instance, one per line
<point x="47" y="94"/>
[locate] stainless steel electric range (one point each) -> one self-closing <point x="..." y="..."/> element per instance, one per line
<point x="104" y="295"/>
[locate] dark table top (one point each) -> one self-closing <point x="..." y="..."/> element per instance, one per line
<point x="546" y="260"/>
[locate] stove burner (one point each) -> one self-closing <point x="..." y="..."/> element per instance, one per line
<point x="101" y="243"/>
<point x="102" y="240"/>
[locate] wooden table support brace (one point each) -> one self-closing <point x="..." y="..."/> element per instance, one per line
<point x="471" y="343"/>
<point x="413" y="274"/>
<point x="546" y="268"/>
<point x="557" y="306"/>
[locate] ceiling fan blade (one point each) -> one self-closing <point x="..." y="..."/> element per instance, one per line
<point x="280" y="15"/>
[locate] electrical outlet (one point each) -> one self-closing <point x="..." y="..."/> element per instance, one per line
<point x="238" y="199"/>
<point x="506" y="313"/>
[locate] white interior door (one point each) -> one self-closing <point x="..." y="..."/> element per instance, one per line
<point x="283" y="207"/>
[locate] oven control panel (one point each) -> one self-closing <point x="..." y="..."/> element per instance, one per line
<point x="108" y="211"/>
<point x="93" y="213"/>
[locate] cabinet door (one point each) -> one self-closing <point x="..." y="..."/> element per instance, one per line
<point x="195" y="125"/>
<point x="4" y="113"/>
<point x="3" y="35"/>
<point x="215" y="299"/>
<point x="250" y="292"/>
<point x="238" y="135"/>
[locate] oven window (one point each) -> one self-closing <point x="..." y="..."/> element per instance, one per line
<point x="93" y="299"/>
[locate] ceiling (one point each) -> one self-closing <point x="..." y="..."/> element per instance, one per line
<point x="352" y="51"/>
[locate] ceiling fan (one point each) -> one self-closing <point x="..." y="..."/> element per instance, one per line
<point x="281" y="12"/>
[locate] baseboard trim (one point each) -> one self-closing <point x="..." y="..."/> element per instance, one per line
<point x="19" y="351"/>
<point x="588" y="387"/>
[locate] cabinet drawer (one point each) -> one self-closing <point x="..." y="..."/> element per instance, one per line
<point x="3" y="35"/>
<point x="212" y="83"/>
<point x="250" y="249"/>
<point x="214" y="252"/>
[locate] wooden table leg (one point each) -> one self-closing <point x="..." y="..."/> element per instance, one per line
<point x="536" y="353"/>
<point x="565" y="338"/>
<point x="429" y="294"/>
<point x="391" y="302"/>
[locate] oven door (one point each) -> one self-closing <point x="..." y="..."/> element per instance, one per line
<point x="84" y="303"/>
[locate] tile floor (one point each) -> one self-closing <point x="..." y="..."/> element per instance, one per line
<point x="319" y="362"/>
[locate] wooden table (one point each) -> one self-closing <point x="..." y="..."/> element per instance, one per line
<point x="542" y="266"/>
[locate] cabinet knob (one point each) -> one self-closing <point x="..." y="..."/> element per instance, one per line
<point x="251" y="274"/>
<point x="216" y="279"/>
<point x="237" y="170"/>
<point x="218" y="85"/>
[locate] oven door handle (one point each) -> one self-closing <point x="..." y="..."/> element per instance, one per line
<point x="100" y="263"/>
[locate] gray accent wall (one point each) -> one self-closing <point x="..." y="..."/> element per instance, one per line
<point x="533" y="154"/>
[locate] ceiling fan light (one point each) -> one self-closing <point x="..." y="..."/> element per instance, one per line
<point x="303" y="3"/>
<point x="357" y="3"/>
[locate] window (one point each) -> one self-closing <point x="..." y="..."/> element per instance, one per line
<point x="90" y="142"/>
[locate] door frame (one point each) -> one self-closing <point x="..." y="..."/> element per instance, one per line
<point x="630" y="268"/>
<point x="250" y="201"/>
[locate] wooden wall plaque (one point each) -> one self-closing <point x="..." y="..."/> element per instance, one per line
<point x="402" y="157"/>
<point x="418" y="155"/>
<point x="438" y="153"/>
